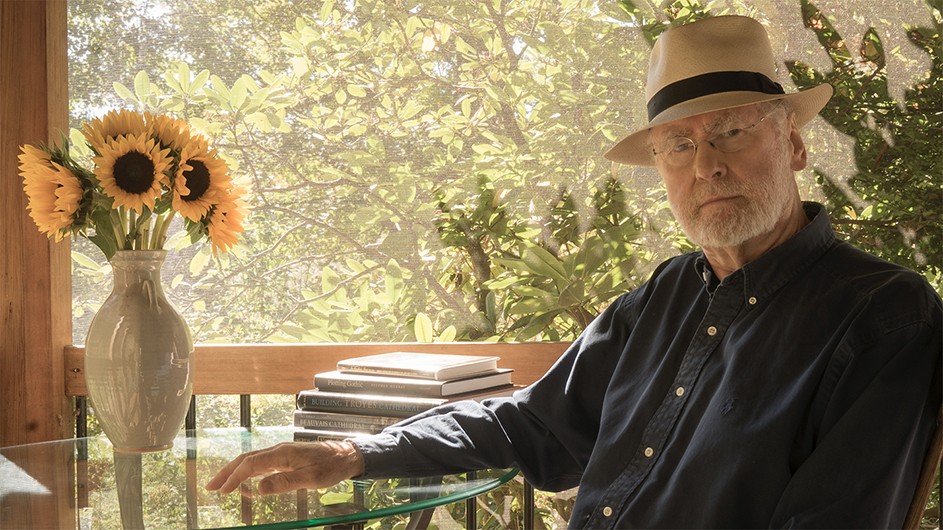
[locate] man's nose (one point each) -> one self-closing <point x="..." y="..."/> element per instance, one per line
<point x="708" y="162"/>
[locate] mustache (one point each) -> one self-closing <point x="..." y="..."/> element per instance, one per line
<point x="715" y="190"/>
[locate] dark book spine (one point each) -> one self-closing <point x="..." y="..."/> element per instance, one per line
<point x="353" y="404"/>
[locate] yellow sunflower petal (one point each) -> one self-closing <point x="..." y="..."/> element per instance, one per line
<point x="171" y="132"/>
<point x="109" y="127"/>
<point x="31" y="157"/>
<point x="131" y="170"/>
<point x="202" y="179"/>
<point x="54" y="195"/>
<point x="225" y="221"/>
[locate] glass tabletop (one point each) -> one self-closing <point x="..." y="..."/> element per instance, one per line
<point x="88" y="485"/>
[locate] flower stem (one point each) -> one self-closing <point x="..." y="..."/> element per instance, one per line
<point x="159" y="222"/>
<point x="117" y="225"/>
<point x="165" y="226"/>
<point x="133" y="229"/>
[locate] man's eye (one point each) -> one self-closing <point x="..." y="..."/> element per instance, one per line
<point x="681" y="147"/>
<point x="730" y="133"/>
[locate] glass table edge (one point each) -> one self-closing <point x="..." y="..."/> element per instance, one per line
<point x="385" y="512"/>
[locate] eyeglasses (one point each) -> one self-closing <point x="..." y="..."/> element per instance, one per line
<point x="679" y="151"/>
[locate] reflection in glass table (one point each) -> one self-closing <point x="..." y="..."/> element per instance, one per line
<point x="84" y="483"/>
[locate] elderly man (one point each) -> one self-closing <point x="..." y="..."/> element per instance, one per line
<point x="777" y="378"/>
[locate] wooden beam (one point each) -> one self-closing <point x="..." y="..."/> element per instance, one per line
<point x="35" y="282"/>
<point x="290" y="368"/>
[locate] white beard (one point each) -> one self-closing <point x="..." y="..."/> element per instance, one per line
<point x="765" y="202"/>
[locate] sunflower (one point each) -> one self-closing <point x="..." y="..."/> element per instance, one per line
<point x="171" y="132"/>
<point x="55" y="193"/>
<point x="225" y="220"/>
<point x="109" y="127"/>
<point x="201" y="178"/>
<point x="131" y="169"/>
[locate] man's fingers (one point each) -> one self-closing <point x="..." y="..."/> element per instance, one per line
<point x="292" y="466"/>
<point x="223" y="474"/>
<point x="281" y="482"/>
<point x="244" y="467"/>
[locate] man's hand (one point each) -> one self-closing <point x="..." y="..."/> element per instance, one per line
<point x="291" y="466"/>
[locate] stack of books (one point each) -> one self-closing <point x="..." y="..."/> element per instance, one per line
<point x="365" y="394"/>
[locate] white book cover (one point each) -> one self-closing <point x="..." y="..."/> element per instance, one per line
<point x="338" y="381"/>
<point x="438" y="366"/>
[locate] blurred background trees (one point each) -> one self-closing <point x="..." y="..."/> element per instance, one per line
<point x="426" y="171"/>
<point x="433" y="170"/>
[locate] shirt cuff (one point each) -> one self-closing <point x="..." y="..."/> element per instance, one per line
<point x="380" y="453"/>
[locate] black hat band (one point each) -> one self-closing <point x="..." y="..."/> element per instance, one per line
<point x="707" y="84"/>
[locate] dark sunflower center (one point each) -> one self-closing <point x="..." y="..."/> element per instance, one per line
<point x="198" y="180"/>
<point x="134" y="172"/>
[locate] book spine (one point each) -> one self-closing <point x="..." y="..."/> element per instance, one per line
<point x="341" y="422"/>
<point x="370" y="386"/>
<point x="353" y="404"/>
<point x="316" y="435"/>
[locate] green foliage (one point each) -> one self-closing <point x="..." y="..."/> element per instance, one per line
<point x="365" y="129"/>
<point x="432" y="171"/>
<point x="893" y="204"/>
<point x="545" y="282"/>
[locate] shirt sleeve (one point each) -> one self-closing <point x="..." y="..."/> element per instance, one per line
<point x="548" y="430"/>
<point x="858" y="462"/>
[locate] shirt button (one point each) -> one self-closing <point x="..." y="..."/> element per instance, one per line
<point x="679" y="391"/>
<point x="649" y="452"/>
<point x="607" y="511"/>
<point x="752" y="300"/>
<point x="712" y="331"/>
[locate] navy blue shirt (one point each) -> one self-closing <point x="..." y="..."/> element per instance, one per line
<point x="800" y="391"/>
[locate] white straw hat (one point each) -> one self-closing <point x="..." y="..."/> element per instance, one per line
<point x="712" y="64"/>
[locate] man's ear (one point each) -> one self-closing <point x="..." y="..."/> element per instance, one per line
<point x="798" y="156"/>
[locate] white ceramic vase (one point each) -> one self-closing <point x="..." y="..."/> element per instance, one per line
<point x="139" y="358"/>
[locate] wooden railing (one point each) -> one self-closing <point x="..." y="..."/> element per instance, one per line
<point x="288" y="369"/>
<point x="251" y="369"/>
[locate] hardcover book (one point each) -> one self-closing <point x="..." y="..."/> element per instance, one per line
<point x="441" y="367"/>
<point x="320" y="435"/>
<point x="379" y="405"/>
<point x="360" y="383"/>
<point x="331" y="421"/>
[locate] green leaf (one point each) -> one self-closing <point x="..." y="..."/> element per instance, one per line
<point x="448" y="335"/>
<point x="393" y="281"/>
<point x="422" y="327"/>
<point x="199" y="262"/>
<point x="357" y="91"/>
<point x="329" y="280"/>
<point x="84" y="261"/>
<point x="240" y="90"/>
<point x="545" y="264"/>
<point x="123" y="91"/>
<point x="104" y="237"/>
<point x="142" y="85"/>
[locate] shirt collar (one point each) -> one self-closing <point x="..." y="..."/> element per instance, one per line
<point x="777" y="267"/>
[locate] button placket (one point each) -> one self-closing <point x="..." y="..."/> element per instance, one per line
<point x="721" y="311"/>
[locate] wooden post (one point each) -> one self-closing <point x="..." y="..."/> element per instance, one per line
<point x="35" y="283"/>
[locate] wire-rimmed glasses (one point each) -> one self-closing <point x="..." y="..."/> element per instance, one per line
<point x="679" y="151"/>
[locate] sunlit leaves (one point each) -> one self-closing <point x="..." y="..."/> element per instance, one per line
<point x="891" y="204"/>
